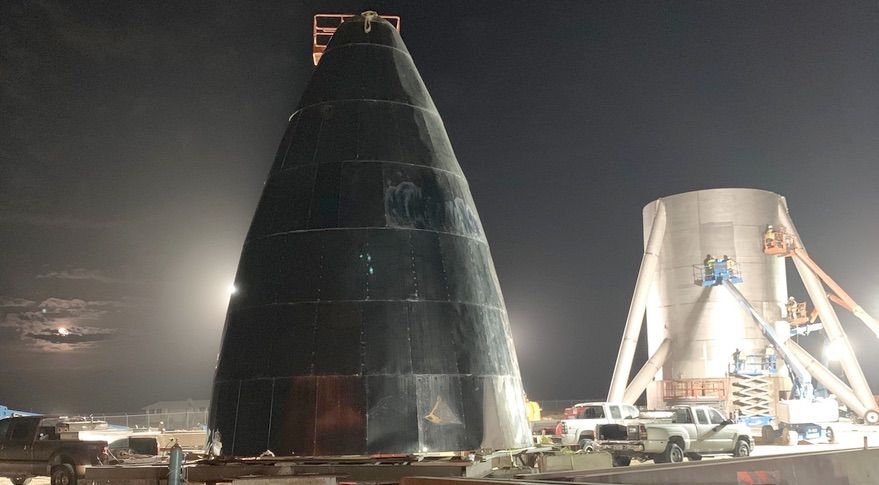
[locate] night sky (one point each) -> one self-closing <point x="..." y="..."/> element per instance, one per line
<point x="135" y="138"/>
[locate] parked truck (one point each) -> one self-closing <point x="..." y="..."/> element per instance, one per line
<point x="32" y="446"/>
<point x="692" y="432"/>
<point x="579" y="432"/>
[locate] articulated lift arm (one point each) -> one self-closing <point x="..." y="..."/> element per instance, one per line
<point x="802" y="379"/>
<point x="839" y="296"/>
<point x="5" y="412"/>
<point x="832" y="327"/>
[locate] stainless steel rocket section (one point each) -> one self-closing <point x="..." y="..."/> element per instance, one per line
<point x="369" y="318"/>
<point x="706" y="326"/>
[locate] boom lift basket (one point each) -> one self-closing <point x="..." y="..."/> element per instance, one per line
<point x="777" y="241"/>
<point x="713" y="274"/>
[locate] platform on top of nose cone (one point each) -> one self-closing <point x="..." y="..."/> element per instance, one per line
<point x="367" y="61"/>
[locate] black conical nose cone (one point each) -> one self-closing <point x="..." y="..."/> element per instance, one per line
<point x="369" y="318"/>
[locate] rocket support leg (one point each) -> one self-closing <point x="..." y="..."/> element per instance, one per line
<point x="832" y="327"/>
<point x="830" y="381"/>
<point x="635" y="319"/>
<point x="646" y="374"/>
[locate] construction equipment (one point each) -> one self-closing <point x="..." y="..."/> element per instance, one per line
<point x="797" y="312"/>
<point x="5" y="412"/>
<point x="713" y="272"/>
<point x="778" y="241"/>
<point x="792" y="427"/>
<point x="801" y="378"/>
<point x="325" y="25"/>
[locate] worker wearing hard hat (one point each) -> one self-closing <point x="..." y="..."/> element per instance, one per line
<point x="791" y="308"/>
<point x="769" y="237"/>
<point x="730" y="264"/>
<point x="709" y="265"/>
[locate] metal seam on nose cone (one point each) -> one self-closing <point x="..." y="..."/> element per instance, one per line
<point x="366" y="100"/>
<point x="456" y="174"/>
<point x="369" y="318"/>
<point x="371" y="45"/>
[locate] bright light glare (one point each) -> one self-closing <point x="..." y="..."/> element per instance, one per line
<point x="232" y="289"/>
<point x="63" y="332"/>
<point x="833" y="351"/>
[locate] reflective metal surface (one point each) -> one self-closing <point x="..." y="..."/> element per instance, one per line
<point x="368" y="317"/>
<point x="705" y="325"/>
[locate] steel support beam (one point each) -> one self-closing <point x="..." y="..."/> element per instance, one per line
<point x="645" y="375"/>
<point x="824" y="376"/>
<point x="635" y="319"/>
<point x="832" y="327"/>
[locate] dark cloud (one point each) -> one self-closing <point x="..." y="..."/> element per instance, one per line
<point x="54" y="305"/>
<point x="31" y="219"/>
<point x="9" y="301"/>
<point x="67" y="324"/>
<point x="73" y="336"/>
<point x="80" y="274"/>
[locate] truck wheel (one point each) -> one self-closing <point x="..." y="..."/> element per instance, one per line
<point x="743" y="448"/>
<point x="768" y="434"/>
<point x="672" y="454"/>
<point x="622" y="461"/>
<point x="20" y="480"/>
<point x="63" y="475"/>
<point x="586" y="445"/>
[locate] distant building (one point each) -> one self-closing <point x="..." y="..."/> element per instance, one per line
<point x="187" y="406"/>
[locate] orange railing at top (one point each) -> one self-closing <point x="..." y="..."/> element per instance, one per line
<point x="695" y="389"/>
<point x="325" y="26"/>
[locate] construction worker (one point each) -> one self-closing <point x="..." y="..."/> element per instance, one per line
<point x="709" y="264"/>
<point x="533" y="409"/>
<point x="737" y="359"/>
<point x="791" y="308"/>
<point x="730" y="265"/>
<point x="769" y="237"/>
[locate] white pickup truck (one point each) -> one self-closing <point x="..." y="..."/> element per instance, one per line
<point x="692" y="431"/>
<point x="580" y="431"/>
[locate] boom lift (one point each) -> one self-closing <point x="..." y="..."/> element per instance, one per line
<point x="5" y="412"/>
<point x="777" y="241"/>
<point x="803" y="397"/>
<point x="724" y="272"/>
<point x="802" y="381"/>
